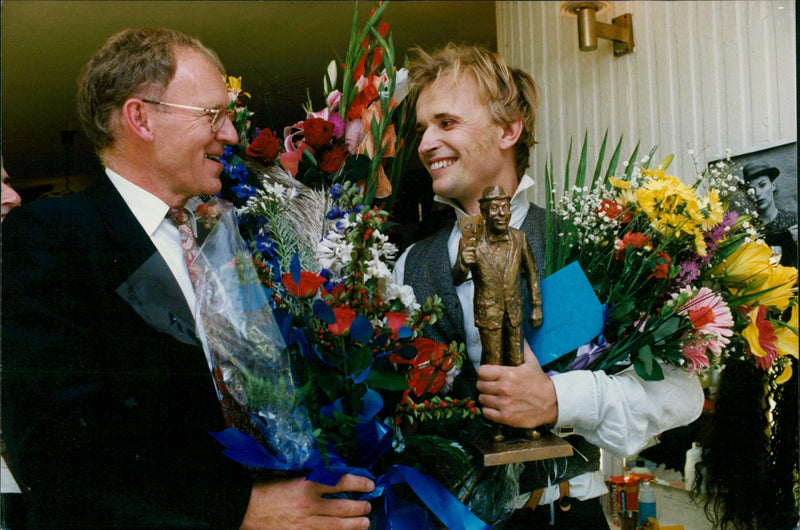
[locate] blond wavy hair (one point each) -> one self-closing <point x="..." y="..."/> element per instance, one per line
<point x="509" y="93"/>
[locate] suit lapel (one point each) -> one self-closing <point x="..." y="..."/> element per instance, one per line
<point x="141" y="275"/>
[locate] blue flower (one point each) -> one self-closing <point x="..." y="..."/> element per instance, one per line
<point x="335" y="212"/>
<point x="237" y="172"/>
<point x="266" y="246"/>
<point x="336" y="191"/>
<point x="244" y="190"/>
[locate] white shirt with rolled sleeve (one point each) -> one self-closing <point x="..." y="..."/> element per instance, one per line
<point x="618" y="413"/>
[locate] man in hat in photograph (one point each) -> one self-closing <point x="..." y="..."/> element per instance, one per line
<point x="779" y="226"/>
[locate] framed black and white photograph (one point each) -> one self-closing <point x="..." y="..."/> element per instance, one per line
<point x="769" y="193"/>
<point x="782" y="158"/>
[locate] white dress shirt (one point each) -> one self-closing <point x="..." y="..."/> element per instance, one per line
<point x="618" y="413"/>
<point x="151" y="213"/>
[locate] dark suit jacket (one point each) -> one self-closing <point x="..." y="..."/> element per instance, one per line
<point x="106" y="394"/>
<point x="500" y="280"/>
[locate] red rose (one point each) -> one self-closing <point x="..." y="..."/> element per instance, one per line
<point x="395" y="321"/>
<point x="344" y="319"/>
<point x="265" y="147"/>
<point x="317" y="132"/>
<point x="331" y="160"/>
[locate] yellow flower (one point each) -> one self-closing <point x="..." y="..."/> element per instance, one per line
<point x="711" y="211"/>
<point x="783" y="284"/>
<point x="619" y="183"/>
<point x="787" y="344"/>
<point x="760" y="336"/>
<point x="234" y="83"/>
<point x="785" y="375"/>
<point x="655" y="173"/>
<point x="234" y="87"/>
<point x="672" y="208"/>
<point x="700" y="244"/>
<point x="747" y="268"/>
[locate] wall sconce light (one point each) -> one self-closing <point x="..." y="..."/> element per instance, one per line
<point x="620" y="30"/>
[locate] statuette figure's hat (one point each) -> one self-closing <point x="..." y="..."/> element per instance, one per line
<point x="494" y="193"/>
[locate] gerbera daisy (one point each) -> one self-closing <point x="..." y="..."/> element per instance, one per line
<point x="711" y="319"/>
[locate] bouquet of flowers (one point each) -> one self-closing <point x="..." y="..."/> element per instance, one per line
<point x="683" y="277"/>
<point x="361" y="135"/>
<point x="317" y="347"/>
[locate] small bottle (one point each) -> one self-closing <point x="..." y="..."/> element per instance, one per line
<point x="647" y="502"/>
<point x="693" y="456"/>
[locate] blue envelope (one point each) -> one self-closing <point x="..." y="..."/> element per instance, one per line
<point x="571" y="315"/>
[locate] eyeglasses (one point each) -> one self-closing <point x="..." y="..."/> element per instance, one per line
<point x="217" y="116"/>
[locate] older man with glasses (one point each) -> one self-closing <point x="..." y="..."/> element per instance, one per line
<point x="108" y="397"/>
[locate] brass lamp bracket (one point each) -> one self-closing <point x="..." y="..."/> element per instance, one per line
<point x="620" y="31"/>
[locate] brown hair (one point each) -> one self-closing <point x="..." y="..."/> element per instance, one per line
<point x="131" y="61"/>
<point x="510" y="93"/>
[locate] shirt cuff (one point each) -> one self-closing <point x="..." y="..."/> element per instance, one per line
<point x="578" y="401"/>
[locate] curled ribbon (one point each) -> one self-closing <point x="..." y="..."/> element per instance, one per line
<point x="396" y="513"/>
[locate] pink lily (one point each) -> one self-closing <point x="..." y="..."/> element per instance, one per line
<point x="290" y="160"/>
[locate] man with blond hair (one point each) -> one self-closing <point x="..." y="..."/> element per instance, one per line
<point x="476" y="118"/>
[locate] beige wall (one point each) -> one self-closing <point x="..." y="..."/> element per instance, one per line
<point x="704" y="74"/>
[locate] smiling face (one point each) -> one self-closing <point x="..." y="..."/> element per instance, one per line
<point x="460" y="145"/>
<point x="186" y="151"/>
<point x="497" y="214"/>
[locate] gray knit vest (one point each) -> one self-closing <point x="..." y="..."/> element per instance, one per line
<point x="427" y="270"/>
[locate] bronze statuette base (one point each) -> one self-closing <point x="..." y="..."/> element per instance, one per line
<point x="523" y="450"/>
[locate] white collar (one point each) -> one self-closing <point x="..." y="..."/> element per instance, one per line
<point x="523" y="197"/>
<point x="148" y="209"/>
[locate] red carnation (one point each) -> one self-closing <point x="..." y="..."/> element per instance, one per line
<point x="317" y="132"/>
<point x="265" y="147"/>
<point x="331" y="160"/>
<point x="614" y="210"/>
<point x="631" y="239"/>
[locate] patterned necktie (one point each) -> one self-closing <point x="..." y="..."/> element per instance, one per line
<point x="181" y="218"/>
